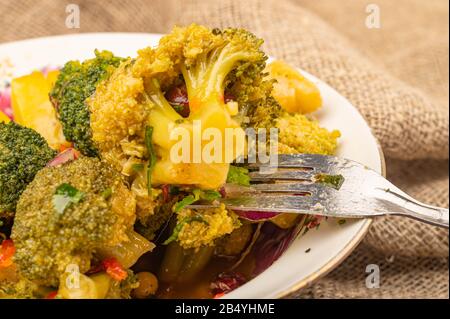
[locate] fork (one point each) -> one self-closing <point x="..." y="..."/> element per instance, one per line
<point x="333" y="187"/>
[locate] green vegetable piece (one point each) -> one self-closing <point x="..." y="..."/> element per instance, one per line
<point x="210" y="195"/>
<point x="23" y="153"/>
<point x="64" y="196"/>
<point x="77" y="82"/>
<point x="238" y="175"/>
<point x="197" y="194"/>
<point x="334" y="181"/>
<point x="188" y="200"/>
<point x="152" y="156"/>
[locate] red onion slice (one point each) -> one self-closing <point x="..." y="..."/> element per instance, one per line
<point x="65" y="156"/>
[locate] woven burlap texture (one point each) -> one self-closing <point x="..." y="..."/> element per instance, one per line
<point x="397" y="76"/>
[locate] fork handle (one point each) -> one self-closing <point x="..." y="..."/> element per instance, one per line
<point x="433" y="215"/>
<point x="408" y="206"/>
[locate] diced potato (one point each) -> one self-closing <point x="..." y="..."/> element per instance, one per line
<point x="4" y="117"/>
<point x="32" y="107"/>
<point x="294" y="92"/>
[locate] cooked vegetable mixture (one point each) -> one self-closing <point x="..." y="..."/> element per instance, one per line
<point x="93" y="205"/>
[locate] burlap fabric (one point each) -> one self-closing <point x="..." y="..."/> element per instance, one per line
<point x="397" y="76"/>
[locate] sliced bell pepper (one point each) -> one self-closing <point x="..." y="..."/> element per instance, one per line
<point x="114" y="269"/>
<point x="7" y="251"/>
<point x="32" y="107"/>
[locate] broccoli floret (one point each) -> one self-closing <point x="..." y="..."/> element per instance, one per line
<point x="66" y="213"/>
<point x="296" y="132"/>
<point x="299" y="134"/>
<point x="211" y="224"/>
<point x="233" y="59"/>
<point x="77" y="82"/>
<point x="264" y="113"/>
<point x="23" y="152"/>
<point x="209" y="63"/>
<point x="20" y="289"/>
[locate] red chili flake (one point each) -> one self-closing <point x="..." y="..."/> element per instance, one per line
<point x="52" y="295"/>
<point x="114" y="269"/>
<point x="7" y="251"/>
<point x="226" y="282"/>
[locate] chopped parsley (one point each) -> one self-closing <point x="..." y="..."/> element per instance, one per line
<point x="65" y="195"/>
<point x="334" y="181"/>
<point x="210" y="195"/>
<point x="238" y="175"/>
<point x="197" y="194"/>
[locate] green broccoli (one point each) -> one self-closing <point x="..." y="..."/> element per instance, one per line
<point x="234" y="62"/>
<point x="238" y="175"/>
<point x="19" y="289"/>
<point x="264" y="113"/>
<point x="210" y="63"/>
<point x="49" y="237"/>
<point x="77" y="82"/>
<point x="23" y="152"/>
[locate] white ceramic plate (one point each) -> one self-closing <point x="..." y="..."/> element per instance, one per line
<point x="329" y="245"/>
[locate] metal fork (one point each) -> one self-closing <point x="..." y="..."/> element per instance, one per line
<point x="363" y="192"/>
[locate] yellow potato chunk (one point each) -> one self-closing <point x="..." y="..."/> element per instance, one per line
<point x="32" y="107"/>
<point x="294" y="92"/>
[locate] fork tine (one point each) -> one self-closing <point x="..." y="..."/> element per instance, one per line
<point x="316" y="162"/>
<point x="289" y="188"/>
<point x="282" y="175"/>
<point x="267" y="203"/>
